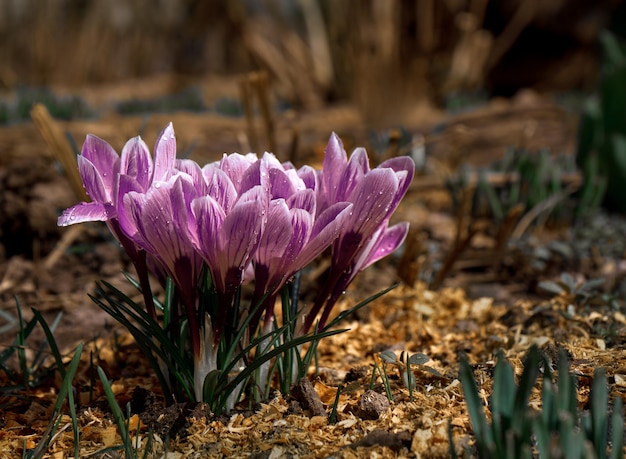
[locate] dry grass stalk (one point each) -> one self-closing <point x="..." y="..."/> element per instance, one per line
<point x="251" y="85"/>
<point x="59" y="146"/>
<point x="465" y="231"/>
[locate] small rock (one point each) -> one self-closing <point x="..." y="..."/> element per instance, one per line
<point x="305" y="394"/>
<point x="356" y="373"/>
<point x="372" y="405"/>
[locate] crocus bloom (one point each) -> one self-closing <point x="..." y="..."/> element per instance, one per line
<point x="159" y="221"/>
<point x="101" y="170"/>
<point x="226" y="228"/>
<point x="366" y="237"/>
<point x="293" y="236"/>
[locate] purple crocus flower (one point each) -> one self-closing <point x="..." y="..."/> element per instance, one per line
<point x="293" y="235"/>
<point x="366" y="236"/>
<point x="226" y="228"/>
<point x="160" y="221"/>
<point x="101" y="170"/>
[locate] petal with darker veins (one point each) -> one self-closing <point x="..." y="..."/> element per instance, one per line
<point x="164" y="154"/>
<point x="372" y="198"/>
<point x="136" y="162"/>
<point x="242" y="228"/>
<point x="276" y="234"/>
<point x="103" y="158"/>
<point x="83" y="212"/>
<point x="334" y="164"/>
<point x="94" y="183"/>
<point x="389" y="240"/>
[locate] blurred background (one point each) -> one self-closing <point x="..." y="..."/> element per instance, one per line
<point x="387" y="57"/>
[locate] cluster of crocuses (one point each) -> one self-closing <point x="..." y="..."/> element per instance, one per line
<point x="247" y="219"/>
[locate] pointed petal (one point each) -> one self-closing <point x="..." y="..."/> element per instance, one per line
<point x="191" y="168"/>
<point x="335" y="161"/>
<point x="209" y="218"/>
<point x="93" y="181"/>
<point x="221" y="188"/>
<point x="164" y="154"/>
<point x="325" y="231"/>
<point x="242" y="226"/>
<point x="354" y="172"/>
<point x="159" y="227"/>
<point x="302" y="224"/>
<point x="104" y="160"/>
<point x="183" y="193"/>
<point x="136" y="162"/>
<point x="304" y="199"/>
<point x="372" y="198"/>
<point x="83" y="212"/>
<point x="270" y="161"/>
<point x="276" y="234"/>
<point x="126" y="185"/>
<point x="133" y="225"/>
<point x="390" y="239"/>
<point x="235" y="165"/>
<point x="256" y="194"/>
<point x="251" y="177"/>
<point x="308" y="176"/>
<point x="404" y="166"/>
<point x="280" y="184"/>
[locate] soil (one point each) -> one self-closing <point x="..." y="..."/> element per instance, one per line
<point x="488" y="300"/>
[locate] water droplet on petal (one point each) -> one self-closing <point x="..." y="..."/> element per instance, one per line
<point x="157" y="185"/>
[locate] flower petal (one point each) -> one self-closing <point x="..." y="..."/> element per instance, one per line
<point x="302" y="224"/>
<point x="333" y="166"/>
<point x="280" y="184"/>
<point x="357" y="167"/>
<point x="372" y="198"/>
<point x="209" y="218"/>
<point x="220" y="187"/>
<point x="106" y="163"/>
<point x="126" y="185"/>
<point x="235" y="165"/>
<point x="325" y="231"/>
<point x="136" y="162"/>
<point x="164" y="154"/>
<point x="191" y="168"/>
<point x="242" y="226"/>
<point x="388" y="241"/>
<point x="304" y="199"/>
<point x="165" y="233"/>
<point x="93" y="181"/>
<point x="404" y="167"/>
<point x="308" y="176"/>
<point x="133" y="225"/>
<point x="83" y="212"/>
<point x="276" y="234"/>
